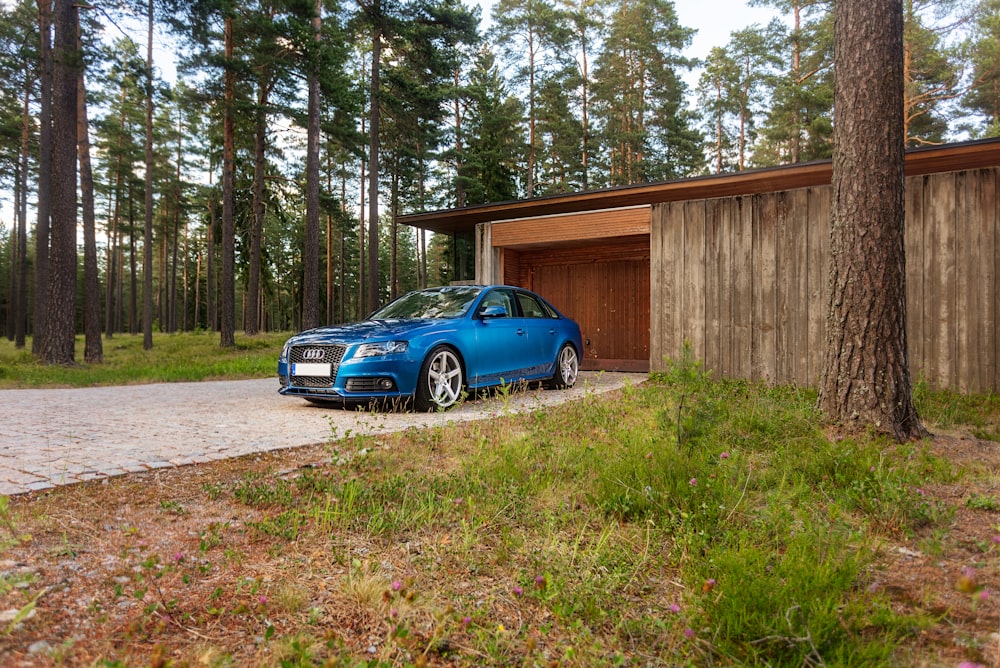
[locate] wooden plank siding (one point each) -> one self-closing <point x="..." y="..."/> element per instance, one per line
<point x="744" y="279"/>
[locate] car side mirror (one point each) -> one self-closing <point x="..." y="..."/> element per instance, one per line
<point x="493" y="311"/>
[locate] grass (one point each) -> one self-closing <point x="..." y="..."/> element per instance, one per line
<point x="189" y="356"/>
<point x="685" y="522"/>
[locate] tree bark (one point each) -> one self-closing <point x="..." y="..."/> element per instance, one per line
<point x="93" y="351"/>
<point x="310" y="254"/>
<point x="21" y="294"/>
<point x="373" y="163"/>
<point x="251" y="321"/>
<point x="866" y="377"/>
<point x="227" y="326"/>
<point x="147" y="248"/>
<point x="60" y="325"/>
<point x="40" y="314"/>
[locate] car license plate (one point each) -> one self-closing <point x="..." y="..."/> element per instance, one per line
<point x="314" y="369"/>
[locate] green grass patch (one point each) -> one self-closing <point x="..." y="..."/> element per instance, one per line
<point x="189" y="356"/>
<point x="749" y="539"/>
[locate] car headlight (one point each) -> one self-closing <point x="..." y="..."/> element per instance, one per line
<point x="382" y="348"/>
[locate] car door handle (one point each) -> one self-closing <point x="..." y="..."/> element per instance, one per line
<point x="520" y="332"/>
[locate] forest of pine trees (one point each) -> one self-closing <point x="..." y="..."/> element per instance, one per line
<point x="258" y="188"/>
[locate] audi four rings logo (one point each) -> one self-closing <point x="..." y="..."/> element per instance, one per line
<point x="312" y="354"/>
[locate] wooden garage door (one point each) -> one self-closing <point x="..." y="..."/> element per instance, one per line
<point x="609" y="297"/>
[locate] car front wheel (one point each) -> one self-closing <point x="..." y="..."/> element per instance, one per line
<point x="440" y="383"/>
<point x="567" y="368"/>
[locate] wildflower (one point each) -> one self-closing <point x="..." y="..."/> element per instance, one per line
<point x="674" y="608"/>
<point x="394" y="613"/>
<point x="984" y="595"/>
<point x="693" y="482"/>
<point x="967" y="581"/>
<point x="724" y="455"/>
<point x="262" y="600"/>
<point x="996" y="539"/>
<point x="179" y="557"/>
<point x="540" y="581"/>
<point x="919" y="491"/>
<point x="396" y="585"/>
<point x="709" y="585"/>
<point x="518" y="591"/>
<point x="970" y="664"/>
<point x="689" y="633"/>
<point x="500" y="628"/>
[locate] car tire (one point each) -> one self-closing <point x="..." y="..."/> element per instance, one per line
<point x="567" y="368"/>
<point x="440" y="383"/>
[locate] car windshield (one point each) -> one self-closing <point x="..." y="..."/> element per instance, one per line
<point x="448" y="302"/>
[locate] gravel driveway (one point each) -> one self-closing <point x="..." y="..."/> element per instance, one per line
<point x="65" y="436"/>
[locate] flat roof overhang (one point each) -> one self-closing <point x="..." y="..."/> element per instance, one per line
<point x="919" y="161"/>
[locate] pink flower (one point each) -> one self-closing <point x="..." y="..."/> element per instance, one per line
<point x="689" y="633"/>
<point x="674" y="608"/>
<point x="724" y="455"/>
<point x="466" y="620"/>
<point x="984" y="595"/>
<point x="397" y="585"/>
<point x="693" y="482"/>
<point x="518" y="591"/>
<point x="262" y="600"/>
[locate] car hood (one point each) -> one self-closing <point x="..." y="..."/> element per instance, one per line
<point x="365" y="330"/>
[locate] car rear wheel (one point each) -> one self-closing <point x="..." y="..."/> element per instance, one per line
<point x="567" y="368"/>
<point x="440" y="384"/>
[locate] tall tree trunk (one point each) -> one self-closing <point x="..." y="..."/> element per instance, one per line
<point x="21" y="295"/>
<point x="211" y="321"/>
<point x="373" y="163"/>
<point x="866" y="376"/>
<point x="227" y="326"/>
<point x="110" y="303"/>
<point x="12" y="267"/>
<point x="133" y="307"/>
<point x="362" y="257"/>
<point x="93" y="351"/>
<point x="329" y="243"/>
<point x="110" y="319"/>
<point x="40" y="314"/>
<point x="394" y="232"/>
<point x="460" y="192"/>
<point x="184" y="280"/>
<point x="310" y="255"/>
<point x="172" y="286"/>
<point x="147" y="249"/>
<point x="60" y="326"/>
<point x="251" y="322"/>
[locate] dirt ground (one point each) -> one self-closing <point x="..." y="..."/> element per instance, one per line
<point x="83" y="552"/>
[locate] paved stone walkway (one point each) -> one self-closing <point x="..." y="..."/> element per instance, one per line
<point x="65" y="436"/>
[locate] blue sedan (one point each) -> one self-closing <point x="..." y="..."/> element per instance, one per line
<point x="433" y="346"/>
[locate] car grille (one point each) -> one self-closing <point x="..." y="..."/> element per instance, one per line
<point x="331" y="354"/>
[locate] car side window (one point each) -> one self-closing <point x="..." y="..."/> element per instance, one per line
<point x="530" y="307"/>
<point x="499" y="298"/>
